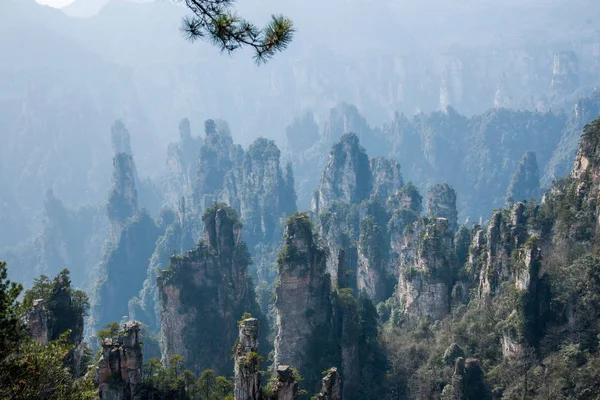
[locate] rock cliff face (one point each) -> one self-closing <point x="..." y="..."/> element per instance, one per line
<point x="123" y="197"/>
<point x="491" y="253"/>
<point x="37" y="322"/>
<point x="339" y="229"/>
<point x="525" y="182"/>
<point x="119" y="371"/>
<point x="304" y="312"/>
<point x="286" y="387"/>
<point x="441" y="203"/>
<point x="331" y="386"/>
<point x="351" y="177"/>
<point x="354" y="203"/>
<point x="386" y="178"/>
<point x="182" y="231"/>
<point x="262" y="192"/>
<point x="254" y="183"/>
<point x="247" y="369"/>
<point x="427" y="270"/>
<point x="204" y="292"/>
<point x="373" y="252"/>
<point x="347" y="176"/>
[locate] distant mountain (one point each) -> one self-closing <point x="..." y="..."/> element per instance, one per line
<point x="67" y="79"/>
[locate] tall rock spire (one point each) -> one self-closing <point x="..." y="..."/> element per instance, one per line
<point x="247" y="371"/>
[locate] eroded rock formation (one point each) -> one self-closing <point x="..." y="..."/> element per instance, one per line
<point x="246" y="358"/>
<point x="286" y="387"/>
<point x="441" y="203"/>
<point x="204" y="292"/>
<point x="119" y="371"/>
<point x="347" y="176"/>
<point x="123" y="198"/>
<point x="37" y="322"/>
<point x="331" y="389"/>
<point x="427" y="270"/>
<point x="304" y="311"/>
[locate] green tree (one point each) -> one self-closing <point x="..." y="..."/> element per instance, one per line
<point x="217" y="22"/>
<point x="40" y="372"/>
<point x="29" y="370"/>
<point x="11" y="327"/>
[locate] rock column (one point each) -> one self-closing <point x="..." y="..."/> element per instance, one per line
<point x="247" y="371"/>
<point x="119" y="371"/>
<point x="331" y="386"/>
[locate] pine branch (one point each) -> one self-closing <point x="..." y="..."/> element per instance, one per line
<point x="217" y="22"/>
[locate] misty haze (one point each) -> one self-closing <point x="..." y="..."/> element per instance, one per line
<point x="280" y="200"/>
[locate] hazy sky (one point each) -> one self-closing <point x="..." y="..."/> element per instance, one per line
<point x="55" y="3"/>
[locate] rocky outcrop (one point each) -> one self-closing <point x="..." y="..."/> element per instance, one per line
<point x="347" y="175"/>
<point x="119" y="371"/>
<point x="351" y="177"/>
<point x="525" y="182"/>
<point x="331" y="386"/>
<point x="339" y="230"/>
<point x="260" y="190"/>
<point x="373" y="253"/>
<point x="507" y="231"/>
<point x="441" y="203"/>
<point x="427" y="270"/>
<point x="204" y="292"/>
<point x="247" y="369"/>
<point x="254" y="183"/>
<point x="37" y="322"/>
<point x="386" y="178"/>
<point x="304" y="312"/>
<point x="286" y="387"/>
<point x="123" y="198"/>
<point x="182" y="231"/>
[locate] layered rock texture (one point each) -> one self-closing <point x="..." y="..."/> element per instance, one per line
<point x="304" y="311"/>
<point x="204" y="292"/>
<point x="119" y="370"/>
<point x="286" y="386"/>
<point x="246" y="358"/>
<point x="37" y="322"/>
<point x="427" y="270"/>
<point x="331" y="386"/>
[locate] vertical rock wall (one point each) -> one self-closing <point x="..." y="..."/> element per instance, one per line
<point x="119" y="371"/>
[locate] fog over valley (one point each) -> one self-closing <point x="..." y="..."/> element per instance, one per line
<point x="367" y="199"/>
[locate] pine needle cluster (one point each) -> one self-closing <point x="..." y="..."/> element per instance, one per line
<point x="217" y="22"/>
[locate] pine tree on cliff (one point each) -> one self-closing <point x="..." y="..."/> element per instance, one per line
<point x="217" y="22"/>
<point x="525" y="182"/>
